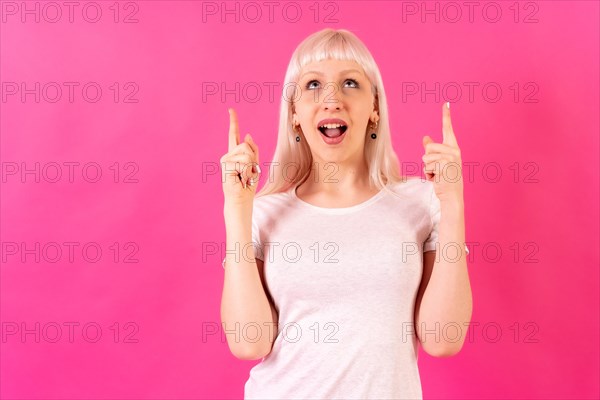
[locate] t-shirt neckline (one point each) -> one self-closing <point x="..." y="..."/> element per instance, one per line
<point x="337" y="210"/>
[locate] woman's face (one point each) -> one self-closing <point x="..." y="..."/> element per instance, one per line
<point x="340" y="91"/>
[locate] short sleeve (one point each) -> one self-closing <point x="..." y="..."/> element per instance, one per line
<point x="435" y="213"/>
<point x="256" y="242"/>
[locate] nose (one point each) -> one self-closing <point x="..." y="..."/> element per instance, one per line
<point x="332" y="97"/>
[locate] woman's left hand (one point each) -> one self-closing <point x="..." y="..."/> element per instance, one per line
<point x="443" y="164"/>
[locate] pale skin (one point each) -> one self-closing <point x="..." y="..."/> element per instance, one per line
<point x="335" y="89"/>
<point x="444" y="295"/>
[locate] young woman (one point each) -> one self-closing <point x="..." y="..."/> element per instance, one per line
<point x="331" y="274"/>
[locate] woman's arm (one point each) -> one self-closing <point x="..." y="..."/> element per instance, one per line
<point x="444" y="301"/>
<point x="244" y="305"/>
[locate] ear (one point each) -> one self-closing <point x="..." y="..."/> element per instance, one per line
<point x="374" y="116"/>
<point x="375" y="113"/>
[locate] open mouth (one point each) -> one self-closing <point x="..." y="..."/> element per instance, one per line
<point x="333" y="130"/>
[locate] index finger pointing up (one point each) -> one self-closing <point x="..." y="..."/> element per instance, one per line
<point x="234" y="130"/>
<point x="447" y="131"/>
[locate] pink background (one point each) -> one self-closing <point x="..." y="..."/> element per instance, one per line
<point x="547" y="310"/>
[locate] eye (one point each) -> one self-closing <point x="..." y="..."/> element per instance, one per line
<point x="353" y="81"/>
<point x="309" y="82"/>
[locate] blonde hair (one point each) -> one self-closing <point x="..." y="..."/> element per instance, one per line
<point x="295" y="158"/>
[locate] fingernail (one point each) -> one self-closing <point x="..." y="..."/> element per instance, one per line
<point x="448" y="104"/>
<point x="258" y="168"/>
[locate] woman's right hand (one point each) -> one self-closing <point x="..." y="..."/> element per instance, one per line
<point x="239" y="166"/>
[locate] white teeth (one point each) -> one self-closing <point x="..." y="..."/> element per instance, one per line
<point x="331" y="126"/>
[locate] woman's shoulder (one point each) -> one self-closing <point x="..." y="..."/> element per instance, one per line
<point x="271" y="207"/>
<point x="412" y="185"/>
<point x="272" y="201"/>
<point x="275" y="197"/>
<point x="411" y="195"/>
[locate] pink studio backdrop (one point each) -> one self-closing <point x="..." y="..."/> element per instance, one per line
<point x="111" y="284"/>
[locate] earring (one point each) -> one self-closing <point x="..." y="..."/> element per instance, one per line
<point x="296" y="130"/>
<point x="374" y="135"/>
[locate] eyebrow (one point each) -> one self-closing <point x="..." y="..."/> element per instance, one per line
<point x="341" y="72"/>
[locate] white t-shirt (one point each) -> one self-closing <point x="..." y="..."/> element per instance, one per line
<point x="344" y="282"/>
